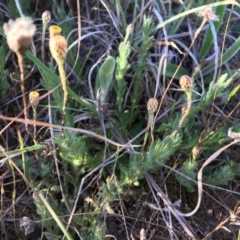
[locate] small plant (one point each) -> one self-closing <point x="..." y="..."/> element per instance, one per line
<point x="122" y="66"/>
<point x="58" y="48"/>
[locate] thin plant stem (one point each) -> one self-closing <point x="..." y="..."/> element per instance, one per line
<point x="149" y="127"/>
<point x="14" y="193"/>
<point x="55" y="216"/>
<point x="21" y="144"/>
<point x="20" y="63"/>
<point x="64" y="88"/>
<point x="186" y="112"/>
<point x="34" y="108"/>
<point x="42" y="47"/>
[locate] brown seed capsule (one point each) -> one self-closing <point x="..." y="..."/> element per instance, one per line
<point x="152" y="105"/>
<point x="185" y="82"/>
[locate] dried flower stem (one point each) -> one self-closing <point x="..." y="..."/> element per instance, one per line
<point x="33" y="99"/>
<point x="42" y="47"/>
<point x="186" y="111"/>
<point x="34" y="126"/>
<point x="20" y="63"/>
<point x="149" y="123"/>
<point x="65" y="91"/>
<point x="186" y="84"/>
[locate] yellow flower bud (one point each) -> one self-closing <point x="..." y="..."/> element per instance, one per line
<point x="33" y="96"/>
<point x="57" y="44"/>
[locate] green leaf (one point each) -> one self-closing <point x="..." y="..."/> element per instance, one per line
<point x="230" y="52"/>
<point x="171" y="68"/>
<point x="176" y="25"/>
<point x="233" y="92"/>
<point x="106" y="77"/>
<point x="221" y="176"/>
<point x="23" y="150"/>
<point x="188" y="169"/>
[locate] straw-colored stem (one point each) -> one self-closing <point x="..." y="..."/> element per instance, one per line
<point x="64" y="88"/>
<point x="2" y="193"/>
<point x="189" y="104"/>
<point x="186" y="112"/>
<point x="43" y="38"/>
<point x="149" y="126"/>
<point x="14" y="192"/>
<point x="55" y="217"/>
<point x="34" y="126"/>
<point x="20" y="63"/>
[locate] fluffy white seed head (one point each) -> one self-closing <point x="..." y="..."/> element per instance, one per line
<point x="19" y="34"/>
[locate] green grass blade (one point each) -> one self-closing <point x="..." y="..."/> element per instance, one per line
<point x="194" y="10"/>
<point x="230" y="52"/>
<point x="21" y="151"/>
<point x="171" y="69"/>
<point x="177" y="24"/>
<point x="55" y="217"/>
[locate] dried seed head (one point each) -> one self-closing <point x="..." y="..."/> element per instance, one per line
<point x="19" y="34"/>
<point x="185" y="82"/>
<point x="57" y="43"/>
<point x="33" y="96"/>
<point x="152" y="105"/>
<point x="209" y="14"/>
<point x="46" y="17"/>
<point x="27" y="224"/>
